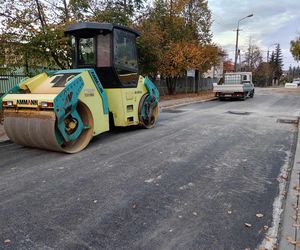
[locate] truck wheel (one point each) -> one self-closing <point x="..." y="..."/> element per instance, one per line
<point x="244" y="97"/>
<point x="252" y="94"/>
<point x="221" y="98"/>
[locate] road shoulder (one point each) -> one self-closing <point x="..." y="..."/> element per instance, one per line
<point x="167" y="102"/>
<point x="290" y="234"/>
<point x="3" y="136"/>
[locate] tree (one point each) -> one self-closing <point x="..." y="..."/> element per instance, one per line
<point x="295" y="48"/>
<point x="253" y="58"/>
<point x="149" y="48"/>
<point x="32" y="31"/>
<point x="175" y="37"/>
<point x="31" y="34"/>
<point x="290" y="74"/>
<point x="262" y="74"/>
<point x="175" y="33"/>
<point x="199" y="19"/>
<point x="119" y="12"/>
<point x="297" y="72"/>
<point x="278" y="62"/>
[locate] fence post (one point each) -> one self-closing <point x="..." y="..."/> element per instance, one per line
<point x="196" y="81"/>
<point x="186" y="78"/>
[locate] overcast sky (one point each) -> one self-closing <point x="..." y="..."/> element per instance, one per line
<point x="274" y="21"/>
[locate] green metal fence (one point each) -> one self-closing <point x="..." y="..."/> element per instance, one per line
<point x="9" y="81"/>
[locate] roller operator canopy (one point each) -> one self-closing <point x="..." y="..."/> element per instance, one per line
<point x="108" y="48"/>
<point x="88" y="29"/>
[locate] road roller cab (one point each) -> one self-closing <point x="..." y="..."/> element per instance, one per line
<point x="62" y="111"/>
<point x="109" y="49"/>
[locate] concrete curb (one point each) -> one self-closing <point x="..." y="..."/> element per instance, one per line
<point x="290" y="228"/>
<point x="4" y="138"/>
<point x="187" y="103"/>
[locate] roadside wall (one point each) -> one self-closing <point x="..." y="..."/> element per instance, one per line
<point x="183" y="85"/>
<point x="187" y="85"/>
<point x="9" y="81"/>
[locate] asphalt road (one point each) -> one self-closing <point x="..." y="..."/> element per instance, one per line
<point x="192" y="182"/>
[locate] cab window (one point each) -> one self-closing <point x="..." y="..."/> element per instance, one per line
<point x="86" y="51"/>
<point x="125" y="57"/>
<point x="125" y="50"/>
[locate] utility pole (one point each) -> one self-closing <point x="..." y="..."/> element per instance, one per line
<point x="250" y="55"/>
<point x="237" y="41"/>
<point x="236" y="47"/>
<point x="240" y="61"/>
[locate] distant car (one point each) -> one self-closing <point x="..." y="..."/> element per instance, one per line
<point x="295" y="84"/>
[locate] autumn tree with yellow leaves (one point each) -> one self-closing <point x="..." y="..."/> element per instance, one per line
<point x="295" y="48"/>
<point x="176" y="37"/>
<point x="32" y="31"/>
<point x="175" y="33"/>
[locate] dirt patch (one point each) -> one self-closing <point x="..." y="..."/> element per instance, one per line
<point x="286" y="90"/>
<point x="203" y="94"/>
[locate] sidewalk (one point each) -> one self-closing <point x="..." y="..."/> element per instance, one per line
<point x="290" y="233"/>
<point x="183" y="99"/>
<point x="164" y="103"/>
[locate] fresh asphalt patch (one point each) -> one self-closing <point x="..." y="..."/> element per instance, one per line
<point x="195" y="181"/>
<point x="173" y="111"/>
<point x="239" y="112"/>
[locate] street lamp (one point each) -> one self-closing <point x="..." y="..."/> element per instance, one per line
<point x="237" y="41"/>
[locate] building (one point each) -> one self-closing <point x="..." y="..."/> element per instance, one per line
<point x="215" y="71"/>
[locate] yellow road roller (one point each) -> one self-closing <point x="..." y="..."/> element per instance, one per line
<point x="64" y="109"/>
